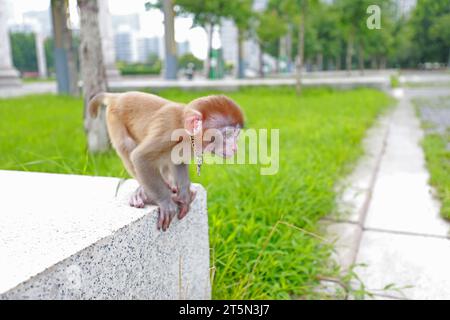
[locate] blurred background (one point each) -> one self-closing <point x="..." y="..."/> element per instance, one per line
<point x="240" y="38"/>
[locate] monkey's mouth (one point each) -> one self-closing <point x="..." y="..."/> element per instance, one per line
<point x="225" y="154"/>
<point x="222" y="154"/>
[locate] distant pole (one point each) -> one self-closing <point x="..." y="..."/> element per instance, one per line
<point x="289" y="48"/>
<point x="66" y="72"/>
<point x="301" y="47"/>
<point x="9" y="76"/>
<point x="108" y="47"/>
<point x="241" y="62"/>
<point x="40" y="55"/>
<point x="169" y="37"/>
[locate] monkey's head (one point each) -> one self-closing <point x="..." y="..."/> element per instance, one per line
<point x="218" y="119"/>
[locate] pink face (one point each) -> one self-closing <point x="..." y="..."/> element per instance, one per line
<point x="222" y="142"/>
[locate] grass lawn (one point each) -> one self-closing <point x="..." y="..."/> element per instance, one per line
<point x="436" y="144"/>
<point x="261" y="227"/>
<point x="438" y="160"/>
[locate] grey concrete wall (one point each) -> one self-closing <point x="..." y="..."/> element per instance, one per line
<point x="73" y="237"/>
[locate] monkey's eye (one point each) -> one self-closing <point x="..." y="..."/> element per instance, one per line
<point x="229" y="132"/>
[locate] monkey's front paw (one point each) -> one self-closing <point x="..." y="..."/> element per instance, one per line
<point x="167" y="210"/>
<point x="184" y="200"/>
<point x="139" y="199"/>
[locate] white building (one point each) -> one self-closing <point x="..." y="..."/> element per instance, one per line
<point x="147" y="46"/>
<point x="125" y="41"/>
<point x="131" y="21"/>
<point x="229" y="39"/>
<point x="183" y="48"/>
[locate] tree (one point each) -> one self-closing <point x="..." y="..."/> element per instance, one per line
<point x="269" y="30"/>
<point x="301" y="45"/>
<point x="296" y="12"/>
<point x="426" y="46"/>
<point x="169" y="36"/>
<point x="49" y="45"/>
<point x="440" y="31"/>
<point x="188" y="58"/>
<point x="327" y="26"/>
<point x="167" y="7"/>
<point x="65" y="64"/>
<point x="284" y="42"/>
<point x="23" y="51"/>
<point x="353" y="22"/>
<point x="93" y="73"/>
<point x="379" y="43"/>
<point x="240" y="11"/>
<point x="207" y="14"/>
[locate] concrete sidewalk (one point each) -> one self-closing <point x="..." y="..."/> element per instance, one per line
<point x="338" y="80"/>
<point x="392" y="225"/>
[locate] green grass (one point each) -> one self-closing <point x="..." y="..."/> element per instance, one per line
<point x="438" y="162"/>
<point x="35" y="80"/>
<point x="437" y="154"/>
<point x="262" y="228"/>
<point x="395" y="81"/>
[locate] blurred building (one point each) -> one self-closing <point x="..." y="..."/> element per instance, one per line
<point x="43" y="18"/>
<point x="125" y="42"/>
<point x="22" y="27"/>
<point x="229" y="39"/>
<point x="183" y="48"/>
<point x="131" y="21"/>
<point x="147" y="46"/>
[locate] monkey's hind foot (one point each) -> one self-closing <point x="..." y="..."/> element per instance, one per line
<point x="139" y="199"/>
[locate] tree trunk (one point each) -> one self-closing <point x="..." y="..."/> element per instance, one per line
<point x="361" y="58"/>
<point x="261" y="61"/>
<point x="349" y="54"/>
<point x="319" y="61"/>
<point x="289" y="48"/>
<point x="373" y="63"/>
<point x="281" y="53"/>
<point x="93" y="74"/>
<point x="66" y="69"/>
<point x="169" y="41"/>
<point x="241" y="71"/>
<point x="301" y="46"/>
<point x="210" y="31"/>
<point x="383" y="62"/>
<point x="338" y="62"/>
<point x="448" y="62"/>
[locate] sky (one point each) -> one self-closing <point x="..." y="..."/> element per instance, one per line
<point x="151" y="22"/>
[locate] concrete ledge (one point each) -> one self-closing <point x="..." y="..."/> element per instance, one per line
<point x="73" y="237"/>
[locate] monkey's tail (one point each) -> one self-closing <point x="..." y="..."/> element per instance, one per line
<point x="102" y="98"/>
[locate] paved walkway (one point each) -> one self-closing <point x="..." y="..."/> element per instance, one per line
<point x="392" y="223"/>
<point x="28" y="88"/>
<point x="378" y="80"/>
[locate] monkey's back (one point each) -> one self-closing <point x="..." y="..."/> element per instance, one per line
<point x="138" y="111"/>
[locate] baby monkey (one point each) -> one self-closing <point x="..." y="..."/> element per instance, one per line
<point x="141" y="128"/>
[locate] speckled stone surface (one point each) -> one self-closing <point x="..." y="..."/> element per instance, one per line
<point x="75" y="237"/>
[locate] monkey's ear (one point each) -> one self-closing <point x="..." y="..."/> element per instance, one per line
<point x="193" y="123"/>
